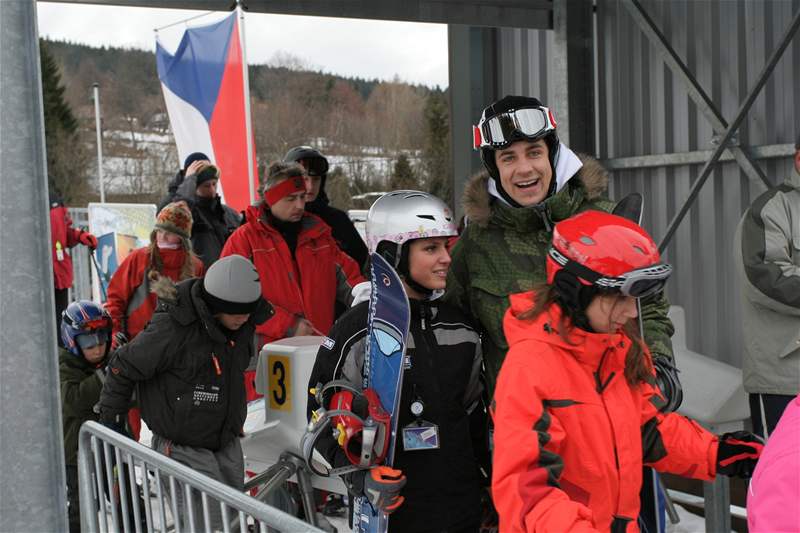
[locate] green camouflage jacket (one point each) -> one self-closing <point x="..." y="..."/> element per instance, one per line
<point x="502" y="251"/>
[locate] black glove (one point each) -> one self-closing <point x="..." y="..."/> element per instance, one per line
<point x="116" y="423"/>
<point x="738" y="453"/>
<point x="382" y="486"/>
<point x="119" y="340"/>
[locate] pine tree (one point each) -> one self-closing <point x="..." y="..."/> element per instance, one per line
<point x="403" y="175"/>
<point x="436" y="152"/>
<point x="67" y="158"/>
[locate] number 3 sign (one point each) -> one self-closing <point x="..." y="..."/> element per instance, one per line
<point x="280" y="382"/>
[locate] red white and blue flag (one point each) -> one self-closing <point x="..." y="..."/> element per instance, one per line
<point x="204" y="89"/>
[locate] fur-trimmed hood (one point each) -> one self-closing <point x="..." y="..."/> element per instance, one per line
<point x="477" y="202"/>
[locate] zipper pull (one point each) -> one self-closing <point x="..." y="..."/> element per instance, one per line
<point x="216" y="364"/>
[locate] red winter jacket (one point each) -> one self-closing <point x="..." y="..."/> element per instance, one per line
<point x="62" y="236"/>
<point x="308" y="285"/>
<point x="129" y="299"/>
<point x="571" y="434"/>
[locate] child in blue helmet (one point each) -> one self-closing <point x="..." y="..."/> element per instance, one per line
<point x="86" y="339"/>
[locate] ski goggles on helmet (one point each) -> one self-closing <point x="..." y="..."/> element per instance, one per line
<point x="504" y="128"/>
<point x="90" y="340"/>
<point x="638" y="283"/>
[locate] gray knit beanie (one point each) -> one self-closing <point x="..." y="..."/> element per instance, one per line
<point x="232" y="286"/>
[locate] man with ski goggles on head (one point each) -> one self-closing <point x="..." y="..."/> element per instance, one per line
<point x="533" y="182"/>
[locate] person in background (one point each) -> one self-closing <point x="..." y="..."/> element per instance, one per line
<point x="767" y="257"/>
<point x="303" y="272"/>
<point x="317" y="202"/>
<point x="130" y="299"/>
<point x="573" y="408"/>
<point x="213" y="221"/>
<point x="62" y="237"/>
<point x="191" y="165"/>
<point x="188" y="367"/>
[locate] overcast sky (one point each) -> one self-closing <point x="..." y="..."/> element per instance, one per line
<point x="415" y="52"/>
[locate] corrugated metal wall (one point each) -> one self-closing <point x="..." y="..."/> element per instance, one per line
<point x="643" y="109"/>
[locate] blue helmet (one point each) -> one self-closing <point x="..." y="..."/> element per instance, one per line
<point x="85" y="324"/>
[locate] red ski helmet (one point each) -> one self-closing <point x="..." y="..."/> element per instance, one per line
<point x="608" y="252"/>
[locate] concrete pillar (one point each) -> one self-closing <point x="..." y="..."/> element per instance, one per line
<point x="32" y="492"/>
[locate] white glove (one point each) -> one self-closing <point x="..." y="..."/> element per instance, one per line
<point x="361" y="292"/>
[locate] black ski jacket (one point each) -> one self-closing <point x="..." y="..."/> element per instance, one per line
<point x="344" y="232"/>
<point x="189" y="373"/>
<point x="443" y="488"/>
<point x="212" y="221"/>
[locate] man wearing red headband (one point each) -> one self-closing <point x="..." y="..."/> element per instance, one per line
<point x="303" y="272"/>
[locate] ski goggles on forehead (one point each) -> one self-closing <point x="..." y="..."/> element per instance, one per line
<point x="504" y="128"/>
<point x="639" y="283"/>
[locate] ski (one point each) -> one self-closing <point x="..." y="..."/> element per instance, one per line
<point x="387" y="326"/>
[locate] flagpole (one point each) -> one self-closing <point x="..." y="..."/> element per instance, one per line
<point x="247" y="123"/>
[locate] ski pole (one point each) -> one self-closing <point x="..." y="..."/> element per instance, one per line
<point x="313" y="328"/>
<point x="101" y="274"/>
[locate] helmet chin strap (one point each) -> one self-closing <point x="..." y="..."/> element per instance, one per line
<point x="404" y="271"/>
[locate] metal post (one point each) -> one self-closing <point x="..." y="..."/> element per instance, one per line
<point x="248" y="127"/>
<point x="98" y="129"/>
<point x="573" y="60"/>
<point x="718" y="504"/>
<point x="560" y="99"/>
<point x="32" y="494"/>
<point x="470" y="54"/>
<point x="696" y="92"/>
<point x="740" y="115"/>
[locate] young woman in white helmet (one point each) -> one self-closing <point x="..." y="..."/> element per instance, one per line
<point x="435" y="485"/>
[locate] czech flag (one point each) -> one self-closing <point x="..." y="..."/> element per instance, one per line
<point x="204" y="89"/>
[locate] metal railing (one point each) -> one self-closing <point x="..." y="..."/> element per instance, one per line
<point x="107" y="459"/>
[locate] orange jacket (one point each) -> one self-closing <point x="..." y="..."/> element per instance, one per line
<point x="571" y="434"/>
<point x="306" y="285"/>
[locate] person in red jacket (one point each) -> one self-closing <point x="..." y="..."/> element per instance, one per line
<point x="131" y="299"/>
<point x="573" y="408"/>
<point x="63" y="236"/>
<point x="303" y="272"/>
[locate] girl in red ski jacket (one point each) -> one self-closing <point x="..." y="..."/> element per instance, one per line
<point x="131" y="300"/>
<point x="573" y="409"/>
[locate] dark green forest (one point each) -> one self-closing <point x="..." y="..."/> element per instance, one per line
<point x="378" y="133"/>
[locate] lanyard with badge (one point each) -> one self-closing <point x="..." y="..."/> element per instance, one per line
<point x="420" y="434"/>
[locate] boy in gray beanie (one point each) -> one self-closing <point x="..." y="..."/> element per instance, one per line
<point x="189" y="366"/>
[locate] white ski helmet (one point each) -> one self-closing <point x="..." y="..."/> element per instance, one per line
<point x="401" y="216"/>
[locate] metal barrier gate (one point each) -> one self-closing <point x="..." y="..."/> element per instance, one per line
<point x="104" y="460"/>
